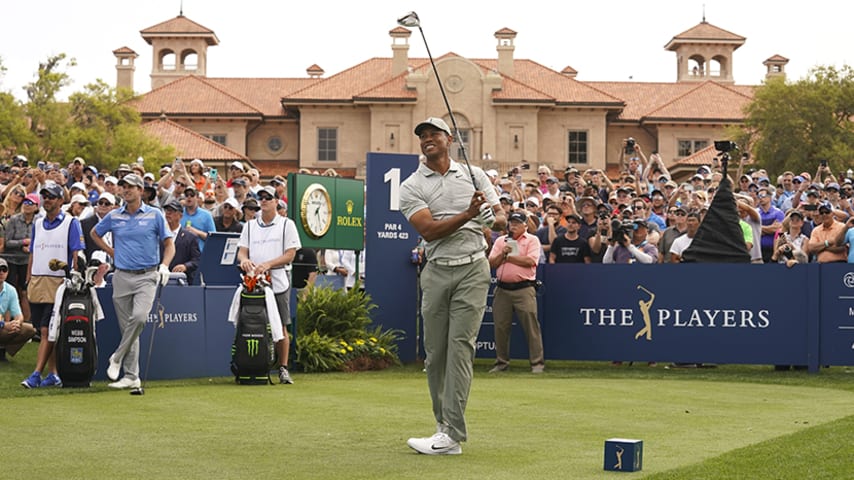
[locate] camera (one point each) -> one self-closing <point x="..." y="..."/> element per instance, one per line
<point x="630" y="146"/>
<point x="620" y="229"/>
<point x="824" y="164"/>
<point x="526" y="166"/>
<point x="787" y="252"/>
<point x="725" y="146"/>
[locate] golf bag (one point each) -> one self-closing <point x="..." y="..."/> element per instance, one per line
<point x="253" y="352"/>
<point x="76" y="348"/>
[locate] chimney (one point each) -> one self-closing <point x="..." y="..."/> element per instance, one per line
<point x="314" y="71"/>
<point x="124" y="67"/>
<point x="569" y="72"/>
<point x="505" y="49"/>
<point x="776" y="66"/>
<point x="400" y="50"/>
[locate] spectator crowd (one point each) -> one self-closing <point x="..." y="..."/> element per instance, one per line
<point x="195" y="200"/>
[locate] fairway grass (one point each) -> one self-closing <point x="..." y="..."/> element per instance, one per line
<point x="734" y="422"/>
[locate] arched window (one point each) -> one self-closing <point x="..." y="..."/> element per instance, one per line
<point x="719" y="67"/>
<point x="190" y="60"/>
<point x="167" y="60"/>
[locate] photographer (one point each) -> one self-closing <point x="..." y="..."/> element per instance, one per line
<point x="628" y="244"/>
<point x="637" y="160"/>
<point x="789" y="245"/>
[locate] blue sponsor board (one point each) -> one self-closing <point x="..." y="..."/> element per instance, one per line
<point x="389" y="239"/>
<point x="679" y="313"/>
<point x="180" y="343"/>
<point x="837" y="314"/>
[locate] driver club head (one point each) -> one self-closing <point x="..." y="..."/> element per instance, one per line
<point x="137" y="391"/>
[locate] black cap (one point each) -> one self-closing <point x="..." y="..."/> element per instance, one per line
<point x="173" y="204"/>
<point x="251" y="203"/>
<point x="518" y="216"/>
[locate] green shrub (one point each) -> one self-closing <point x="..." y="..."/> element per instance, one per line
<point x="334" y="313"/>
<point x="317" y="353"/>
<point x="333" y="333"/>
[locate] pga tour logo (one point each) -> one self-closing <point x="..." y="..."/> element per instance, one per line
<point x="848" y="280"/>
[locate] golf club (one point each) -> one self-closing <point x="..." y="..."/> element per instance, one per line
<point x="141" y="389"/>
<point x="411" y="20"/>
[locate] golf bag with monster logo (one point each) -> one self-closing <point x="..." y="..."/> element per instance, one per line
<point x="253" y="352"/>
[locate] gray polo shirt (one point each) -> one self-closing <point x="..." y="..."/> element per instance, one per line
<point x="445" y="196"/>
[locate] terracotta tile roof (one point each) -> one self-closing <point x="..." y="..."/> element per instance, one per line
<point x="641" y="97"/>
<point x="513" y="91"/>
<point x="506" y="31"/>
<point x="392" y="90"/>
<point x="568" y="70"/>
<point x="124" y="50"/>
<point x="343" y="86"/>
<point x="179" y="26"/>
<point x="193" y="96"/>
<point x="705" y="31"/>
<point x="709" y="102"/>
<point x="188" y="143"/>
<point x="400" y="29"/>
<point x="701" y="157"/>
<point x="262" y="94"/>
<point x="564" y="89"/>
<point x="371" y="80"/>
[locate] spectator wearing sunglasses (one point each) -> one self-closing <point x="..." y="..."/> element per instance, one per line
<point x="229" y="221"/>
<point x="105" y="204"/>
<point x="195" y="219"/>
<point x="827" y="240"/>
<point x="677" y="215"/>
<point x="59" y="237"/>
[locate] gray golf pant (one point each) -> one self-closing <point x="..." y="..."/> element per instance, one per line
<point x="453" y="302"/>
<point x="133" y="296"/>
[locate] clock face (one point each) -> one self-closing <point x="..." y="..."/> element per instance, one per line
<point x="316" y="210"/>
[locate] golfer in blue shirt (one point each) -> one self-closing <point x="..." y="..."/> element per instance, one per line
<point x="137" y="230"/>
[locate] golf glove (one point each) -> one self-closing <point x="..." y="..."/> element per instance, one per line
<point x="164" y="274"/>
<point x="487" y="215"/>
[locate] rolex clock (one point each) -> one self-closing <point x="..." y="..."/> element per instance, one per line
<point x="316" y="210"/>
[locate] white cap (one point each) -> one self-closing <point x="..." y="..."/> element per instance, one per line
<point x="197" y="161"/>
<point x="239" y="165"/>
<point x="492" y="173"/>
<point x="78" y="198"/>
<point x="111" y="179"/>
<point x="78" y="185"/>
<point x="232" y="202"/>
<point x="108" y="196"/>
<point x="534" y="200"/>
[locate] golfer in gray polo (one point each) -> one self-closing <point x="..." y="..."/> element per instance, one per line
<point x="446" y="209"/>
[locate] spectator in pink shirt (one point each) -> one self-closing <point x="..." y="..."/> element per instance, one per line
<point x="514" y="257"/>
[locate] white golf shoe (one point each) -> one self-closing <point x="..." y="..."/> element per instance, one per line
<point x="113" y="369"/>
<point x="439" y="444"/>
<point x="125" y="382"/>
